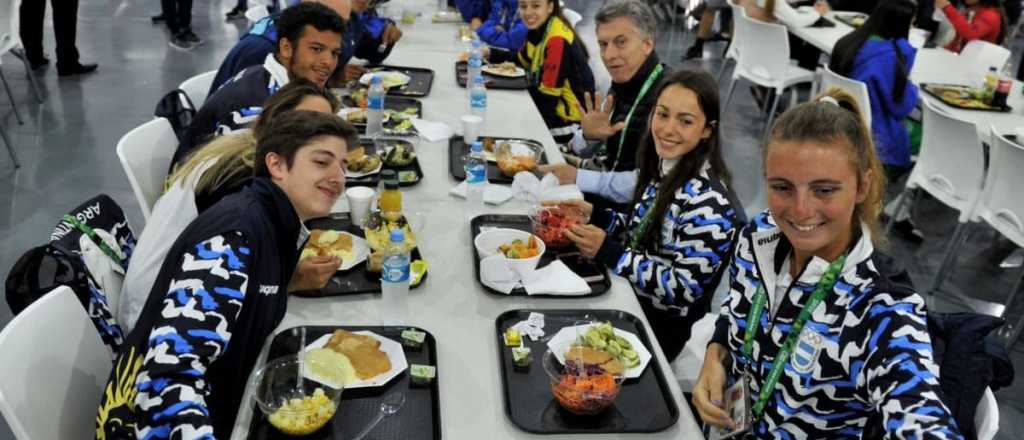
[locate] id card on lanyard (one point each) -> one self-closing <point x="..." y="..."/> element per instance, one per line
<point x="651" y="79"/>
<point x="821" y="291"/>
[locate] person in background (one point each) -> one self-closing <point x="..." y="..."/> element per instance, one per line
<point x="308" y="46"/>
<point x="879" y="55"/>
<point x="830" y="347"/>
<point x="986" y="20"/>
<point x="503" y="28"/>
<point x="238" y="12"/>
<point x="555" y="61"/>
<point x="372" y="37"/>
<point x="177" y="15"/>
<point x="474" y="12"/>
<point x="220" y="168"/>
<point x="604" y="149"/>
<point x="710" y="10"/>
<point x="674" y="243"/>
<point x="65" y="30"/>
<point x="253" y="47"/>
<point x="220" y="293"/>
<point x="780" y="11"/>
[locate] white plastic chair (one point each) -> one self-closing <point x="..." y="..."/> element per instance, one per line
<point x="197" y="87"/>
<point x="53" y="367"/>
<point x="764" y="61"/>
<point x="982" y="55"/>
<point x="573" y="16"/>
<point x="951" y="168"/>
<point x="10" y="42"/>
<point x="146" y="153"/>
<point x="986" y="417"/>
<point x="732" y="53"/>
<point x="256" y="13"/>
<point x="858" y="89"/>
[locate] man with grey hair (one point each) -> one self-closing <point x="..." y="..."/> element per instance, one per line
<point x="612" y="127"/>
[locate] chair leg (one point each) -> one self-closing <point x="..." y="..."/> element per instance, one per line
<point x="28" y="73"/>
<point x="1013" y="332"/>
<point x="771" y="113"/>
<point x="899" y="210"/>
<point x="728" y="95"/>
<point x="10" y="148"/>
<point x="959" y="235"/>
<point x="721" y="70"/>
<point x="9" y="95"/>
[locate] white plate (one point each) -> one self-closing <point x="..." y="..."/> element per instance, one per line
<point x="519" y="73"/>
<point x="390" y="78"/>
<point x="391" y="348"/>
<point x="566" y="337"/>
<point x="354" y="175"/>
<point x="344" y="112"/>
<point x="360" y="250"/>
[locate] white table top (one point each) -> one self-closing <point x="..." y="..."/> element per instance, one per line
<point x="824" y="38"/>
<point x="451" y="304"/>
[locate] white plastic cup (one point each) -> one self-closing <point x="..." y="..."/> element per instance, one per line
<point x="359" y="200"/>
<point x="471" y="128"/>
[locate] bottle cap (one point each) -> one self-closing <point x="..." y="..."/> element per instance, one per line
<point x="375" y="79"/>
<point x="397" y="236"/>
<point x="477" y="147"/>
<point x="390" y="179"/>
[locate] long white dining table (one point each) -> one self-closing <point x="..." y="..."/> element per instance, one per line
<point x="451" y="304"/>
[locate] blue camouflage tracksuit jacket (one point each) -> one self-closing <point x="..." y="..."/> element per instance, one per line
<point x="865" y="353"/>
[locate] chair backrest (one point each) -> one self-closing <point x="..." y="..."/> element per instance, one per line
<point x="1000" y="204"/>
<point x="197" y="87"/>
<point x="146" y="153"/>
<point x="737" y="11"/>
<point x="765" y="50"/>
<point x="256" y="13"/>
<point x="986" y="418"/>
<point x="9" y="25"/>
<point x="858" y="89"/>
<point x="52" y="369"/>
<point x="573" y="16"/>
<point x="950" y="165"/>
<point x="982" y="55"/>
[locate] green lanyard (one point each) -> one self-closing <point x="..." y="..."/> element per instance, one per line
<point x="824" y="287"/>
<point x="95" y="238"/>
<point x="651" y="79"/>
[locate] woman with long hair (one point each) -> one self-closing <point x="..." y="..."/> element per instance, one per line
<point x="673" y="244"/>
<point x="220" y="168"/>
<point x="555" y="61"/>
<point x="879" y="55"/>
<point x="813" y="337"/>
<point x="987" y="22"/>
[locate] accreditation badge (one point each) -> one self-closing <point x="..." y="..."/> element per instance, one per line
<point x="737" y="403"/>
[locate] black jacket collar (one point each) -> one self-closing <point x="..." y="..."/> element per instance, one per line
<point x="631" y="88"/>
<point x="280" y="211"/>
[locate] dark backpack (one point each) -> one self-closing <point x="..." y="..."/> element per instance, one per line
<point x="61" y="262"/>
<point x="178" y="108"/>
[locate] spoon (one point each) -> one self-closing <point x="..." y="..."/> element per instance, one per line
<point x="391" y="404"/>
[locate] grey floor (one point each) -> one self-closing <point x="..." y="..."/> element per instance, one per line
<point x="67" y="144"/>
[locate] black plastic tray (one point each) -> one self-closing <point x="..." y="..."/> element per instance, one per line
<point x="644" y="405"/>
<point x="420" y="81"/>
<point x="457" y="149"/>
<point x="523" y="223"/>
<point x="491" y="81"/>
<point x="395" y="103"/>
<point x="847" y="19"/>
<point x="374" y="179"/>
<point x="823" y="23"/>
<point x="356" y="280"/>
<point x="927" y="87"/>
<point x="419" y="418"/>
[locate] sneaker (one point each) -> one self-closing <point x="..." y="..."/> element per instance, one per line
<point x="235" y="14"/>
<point x="694" y="52"/>
<point x="191" y="37"/>
<point x="157" y="18"/>
<point x="1014" y="260"/>
<point x="180" y="43"/>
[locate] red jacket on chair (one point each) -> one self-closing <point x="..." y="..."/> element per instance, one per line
<point x="986" y="25"/>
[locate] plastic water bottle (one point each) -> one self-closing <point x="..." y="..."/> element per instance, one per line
<point x="478" y="99"/>
<point x="476" y="177"/>
<point x="375" y="107"/>
<point x="394" y="282"/>
<point x="475" y="65"/>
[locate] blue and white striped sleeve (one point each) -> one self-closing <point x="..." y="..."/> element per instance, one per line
<point x="202" y="303"/>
